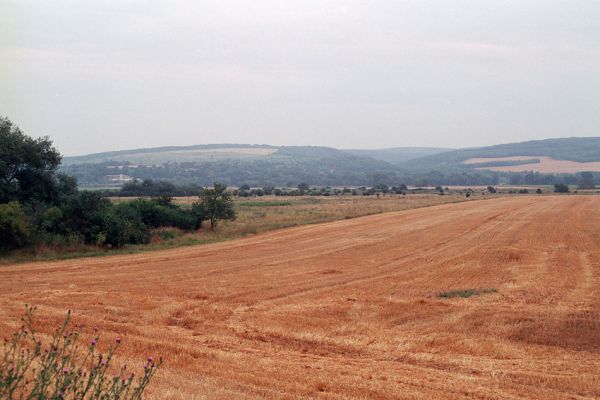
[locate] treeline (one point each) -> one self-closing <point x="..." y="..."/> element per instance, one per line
<point x="38" y="205"/>
<point x="150" y="187"/>
<point x="190" y="177"/>
<point x="304" y="189"/>
<point x="470" y="177"/>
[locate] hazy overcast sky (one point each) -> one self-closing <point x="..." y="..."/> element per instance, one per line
<point x="112" y="74"/>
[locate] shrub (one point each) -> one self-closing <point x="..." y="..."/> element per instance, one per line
<point x="118" y="229"/>
<point x="84" y="214"/>
<point x="465" y="293"/>
<point x="168" y="234"/>
<point x="14" y="226"/>
<point x="62" y="369"/>
<point x="49" y="220"/>
<point x="491" y="189"/>
<point x="561" y="188"/>
<point x="155" y="215"/>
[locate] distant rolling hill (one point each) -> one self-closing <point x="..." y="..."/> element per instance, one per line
<point x="233" y="164"/>
<point x="398" y="155"/>
<point x="565" y="155"/>
<point x="160" y="155"/>
<point x="264" y="165"/>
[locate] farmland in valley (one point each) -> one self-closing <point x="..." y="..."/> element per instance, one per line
<point x="546" y="165"/>
<point x="487" y="299"/>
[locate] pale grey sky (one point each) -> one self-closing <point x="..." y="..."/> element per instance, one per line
<point x="114" y="74"/>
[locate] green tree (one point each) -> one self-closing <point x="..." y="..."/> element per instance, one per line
<point x="14" y="227"/>
<point x="561" y="188"/>
<point x="215" y="204"/>
<point x="27" y="166"/>
<point x="586" y="180"/>
<point x="381" y="187"/>
<point x="303" y="187"/>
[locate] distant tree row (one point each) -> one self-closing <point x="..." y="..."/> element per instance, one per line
<point x="190" y="176"/>
<point x="150" y="187"/>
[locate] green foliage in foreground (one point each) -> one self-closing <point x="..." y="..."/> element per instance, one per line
<point x="88" y="218"/>
<point x="465" y="293"/>
<point x="63" y="369"/>
<point x="27" y="166"/>
<point x="14" y="227"/>
<point x="38" y="206"/>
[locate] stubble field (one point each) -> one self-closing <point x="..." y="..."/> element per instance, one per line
<point x="352" y="309"/>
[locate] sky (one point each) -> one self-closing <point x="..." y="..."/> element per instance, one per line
<point x="117" y="74"/>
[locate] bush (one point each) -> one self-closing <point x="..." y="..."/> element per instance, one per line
<point x="465" y="293"/>
<point x="14" y="226"/>
<point x="49" y="220"/>
<point x="61" y="370"/>
<point x="83" y="213"/>
<point x="118" y="229"/>
<point x="155" y="215"/>
<point x="561" y="188"/>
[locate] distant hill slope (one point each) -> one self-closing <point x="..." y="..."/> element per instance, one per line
<point x="159" y="155"/>
<point x="398" y="155"/>
<point x="581" y="150"/>
<point x="264" y="165"/>
<point x="234" y="164"/>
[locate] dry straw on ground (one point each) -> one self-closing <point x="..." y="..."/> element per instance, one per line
<point x="351" y="309"/>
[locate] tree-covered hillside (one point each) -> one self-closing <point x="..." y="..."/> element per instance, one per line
<point x="398" y="155"/>
<point x="572" y="149"/>
<point x="287" y="166"/>
<point x="263" y="165"/>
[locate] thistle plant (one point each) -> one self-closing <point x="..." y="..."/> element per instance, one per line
<point x="63" y="368"/>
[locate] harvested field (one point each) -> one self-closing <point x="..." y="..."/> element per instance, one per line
<point x="254" y="215"/>
<point x="352" y="308"/>
<point x="546" y="165"/>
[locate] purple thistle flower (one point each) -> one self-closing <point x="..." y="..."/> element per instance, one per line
<point x="93" y="342"/>
<point x="118" y="339"/>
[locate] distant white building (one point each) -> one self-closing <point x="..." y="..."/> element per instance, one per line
<point x="121" y="178"/>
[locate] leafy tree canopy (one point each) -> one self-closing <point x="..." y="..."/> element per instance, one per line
<point x="215" y="204"/>
<point x="28" y="167"/>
